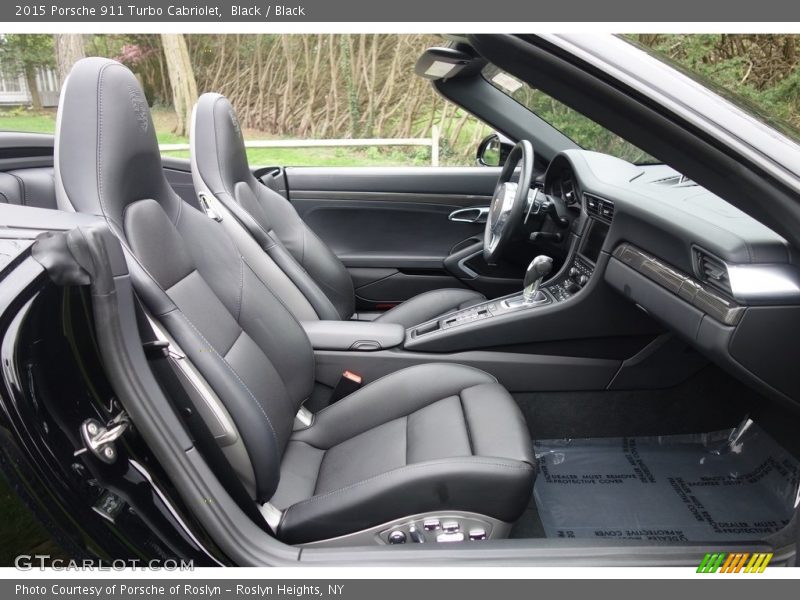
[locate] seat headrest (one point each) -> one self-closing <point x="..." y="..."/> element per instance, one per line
<point x="219" y="158"/>
<point x="106" y="152"/>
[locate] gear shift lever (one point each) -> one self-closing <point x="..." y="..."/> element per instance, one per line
<point x="539" y="268"/>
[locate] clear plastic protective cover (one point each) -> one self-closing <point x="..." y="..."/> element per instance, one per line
<point x="722" y="486"/>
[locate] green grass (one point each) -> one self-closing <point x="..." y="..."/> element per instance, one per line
<point x="325" y="157"/>
<point x="20" y="532"/>
<point x="45" y="122"/>
<point x="20" y="120"/>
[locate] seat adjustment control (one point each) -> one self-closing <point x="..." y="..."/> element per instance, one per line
<point x="416" y="535"/>
<point x="397" y="537"/>
<point x="450" y="526"/>
<point x="431" y="524"/>
<point x="456" y="536"/>
<point x="477" y="534"/>
<point x="432" y="528"/>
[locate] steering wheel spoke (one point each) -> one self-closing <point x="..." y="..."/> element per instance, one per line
<point x="506" y="211"/>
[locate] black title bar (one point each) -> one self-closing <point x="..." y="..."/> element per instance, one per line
<point x="423" y="11"/>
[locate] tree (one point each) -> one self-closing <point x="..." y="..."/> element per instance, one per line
<point x="69" y="49"/>
<point x="181" y="78"/>
<point x="26" y="54"/>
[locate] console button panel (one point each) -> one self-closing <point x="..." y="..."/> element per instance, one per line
<point x="578" y="276"/>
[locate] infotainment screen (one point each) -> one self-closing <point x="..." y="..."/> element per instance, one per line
<point x="593" y="240"/>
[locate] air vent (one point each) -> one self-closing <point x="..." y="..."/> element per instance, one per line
<point x="599" y="207"/>
<point x="675" y="180"/>
<point x="712" y="270"/>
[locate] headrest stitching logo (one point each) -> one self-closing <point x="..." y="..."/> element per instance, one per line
<point x="235" y="122"/>
<point x="140" y="107"/>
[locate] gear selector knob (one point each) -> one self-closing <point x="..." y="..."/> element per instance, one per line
<point x="539" y="268"/>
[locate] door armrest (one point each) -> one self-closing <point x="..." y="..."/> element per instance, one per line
<point x="363" y="336"/>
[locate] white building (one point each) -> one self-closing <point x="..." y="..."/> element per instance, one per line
<point x="14" y="89"/>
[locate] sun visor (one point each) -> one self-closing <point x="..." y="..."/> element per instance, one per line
<point x="442" y="63"/>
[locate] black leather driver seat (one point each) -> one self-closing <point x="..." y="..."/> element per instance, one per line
<point x="436" y="437"/>
<point x="220" y="169"/>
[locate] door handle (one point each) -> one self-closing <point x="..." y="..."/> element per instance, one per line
<point x="473" y="214"/>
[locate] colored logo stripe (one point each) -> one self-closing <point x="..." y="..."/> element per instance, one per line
<point x="758" y="563"/>
<point x="734" y="562"/>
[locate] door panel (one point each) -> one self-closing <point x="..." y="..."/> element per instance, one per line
<point x="381" y="288"/>
<point x="377" y="233"/>
<point x="390" y="226"/>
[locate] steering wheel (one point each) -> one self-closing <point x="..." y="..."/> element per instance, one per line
<point x="508" y="201"/>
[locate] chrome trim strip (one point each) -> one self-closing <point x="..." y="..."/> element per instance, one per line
<point x="304" y="417"/>
<point x="460" y="215"/>
<point x="146" y="474"/>
<point x="444" y="199"/>
<point x="685" y="287"/>
<point x="272" y="515"/>
<point x="223" y="428"/>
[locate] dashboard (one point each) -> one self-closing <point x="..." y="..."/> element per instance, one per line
<point x="701" y="267"/>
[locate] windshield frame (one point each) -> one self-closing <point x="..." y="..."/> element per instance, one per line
<point x="644" y="157"/>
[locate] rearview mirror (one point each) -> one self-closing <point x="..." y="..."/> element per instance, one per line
<point x="493" y="150"/>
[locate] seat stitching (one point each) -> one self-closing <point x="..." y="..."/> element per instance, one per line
<point x="524" y="467"/>
<point x="99" y="138"/>
<point x="405" y="458"/>
<point x="236" y="339"/>
<point x="241" y="288"/>
<point x="217" y="153"/>
<point x="124" y="217"/>
<point x="24" y="195"/>
<point x="180" y="212"/>
<point x="236" y="375"/>
<point x="466" y="425"/>
<point x="303" y="247"/>
<point x="252" y="220"/>
<point x="319" y="468"/>
<point x="291" y="257"/>
<point x="191" y="272"/>
<point x="282" y="303"/>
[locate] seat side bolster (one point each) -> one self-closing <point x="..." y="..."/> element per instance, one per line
<point x="464" y="483"/>
<point x="490" y="434"/>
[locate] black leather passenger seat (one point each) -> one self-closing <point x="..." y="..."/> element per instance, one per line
<point x="33" y="186"/>
<point x="431" y="439"/>
<point x="408" y="443"/>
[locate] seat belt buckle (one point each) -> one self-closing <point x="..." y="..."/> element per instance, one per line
<point x="348" y="383"/>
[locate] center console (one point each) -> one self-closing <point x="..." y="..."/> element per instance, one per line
<point x="570" y="280"/>
<point x="581" y="269"/>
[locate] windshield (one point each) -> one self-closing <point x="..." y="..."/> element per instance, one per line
<point x="756" y="72"/>
<point x="580" y="129"/>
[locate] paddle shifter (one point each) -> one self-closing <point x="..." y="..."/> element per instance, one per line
<point x="539" y="268"/>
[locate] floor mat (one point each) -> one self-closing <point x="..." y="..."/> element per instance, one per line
<point x="728" y="485"/>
